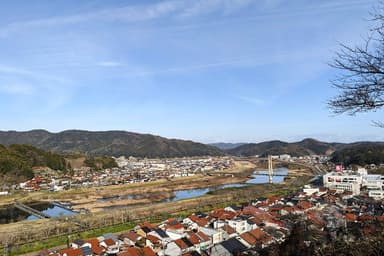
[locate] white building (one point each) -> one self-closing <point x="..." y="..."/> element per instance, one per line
<point x="239" y="225"/>
<point x="308" y="190"/>
<point x="349" y="181"/>
<point x="376" y="194"/>
<point x="343" y="181"/>
<point x="285" y="157"/>
<point x="216" y="236"/>
<point x="374" y="182"/>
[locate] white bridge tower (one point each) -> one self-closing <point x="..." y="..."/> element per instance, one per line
<point x="270" y="169"/>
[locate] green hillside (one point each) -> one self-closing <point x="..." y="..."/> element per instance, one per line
<point x="17" y="161"/>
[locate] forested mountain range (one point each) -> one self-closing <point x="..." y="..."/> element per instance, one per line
<point x="347" y="153"/>
<point x="108" y="143"/>
<point x="276" y="147"/>
<point x="118" y="143"/>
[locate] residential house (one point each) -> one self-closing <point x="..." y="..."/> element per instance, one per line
<point x="263" y="238"/>
<point x="94" y="244"/>
<point x="228" y="231"/>
<point x="171" y="248"/>
<point x="185" y="244"/>
<point x="71" y="252"/>
<point x="229" y="247"/>
<point x="144" y="228"/>
<point x="153" y="242"/>
<point x="160" y="234"/>
<point x="240" y="225"/>
<point x="131" y="238"/>
<point x="248" y="240"/>
<point x="216" y="236"/>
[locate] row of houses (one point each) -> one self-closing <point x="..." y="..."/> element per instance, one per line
<point x="131" y="170"/>
<point x="235" y="229"/>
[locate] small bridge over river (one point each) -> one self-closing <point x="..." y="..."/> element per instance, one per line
<point x="34" y="212"/>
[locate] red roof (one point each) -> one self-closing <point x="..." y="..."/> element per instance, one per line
<point x="134" y="251"/>
<point x="193" y="238"/>
<point x="250" y="239"/>
<point x="153" y="239"/>
<point x="305" y="205"/>
<point x="366" y="217"/>
<point x="203" y="236"/>
<point x="256" y="220"/>
<point x="251" y="210"/>
<point x="222" y="214"/>
<point x="147" y="251"/>
<point x="37" y="179"/>
<point x="131" y="251"/>
<point x="71" y="252"/>
<point x="123" y="253"/>
<point x="228" y="229"/>
<point x="98" y="250"/>
<point x="109" y="242"/>
<point x="350" y="217"/>
<point x="260" y="235"/>
<point x="273" y="199"/>
<point x="174" y="227"/>
<point x="148" y="225"/>
<point x="133" y="236"/>
<point x="181" y="244"/>
<point x="92" y="241"/>
<point x="277" y="222"/>
<point x="257" y="233"/>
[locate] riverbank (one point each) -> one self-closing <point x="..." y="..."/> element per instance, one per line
<point x="26" y="232"/>
<point x="152" y="192"/>
<point x="237" y="173"/>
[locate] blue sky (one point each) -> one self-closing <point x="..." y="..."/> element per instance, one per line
<point x="203" y="70"/>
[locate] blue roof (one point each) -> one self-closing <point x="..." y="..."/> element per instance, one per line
<point x="161" y="233"/>
<point x="78" y="241"/>
<point x="234" y="246"/>
<point x="86" y="250"/>
<point x="110" y="235"/>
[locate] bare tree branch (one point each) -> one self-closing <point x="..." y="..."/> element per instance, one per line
<point x="360" y="83"/>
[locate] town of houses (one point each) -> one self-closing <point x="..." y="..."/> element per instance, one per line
<point x="252" y="226"/>
<point x="129" y="170"/>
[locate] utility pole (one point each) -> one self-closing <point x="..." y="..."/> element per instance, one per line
<point x="270" y="169"/>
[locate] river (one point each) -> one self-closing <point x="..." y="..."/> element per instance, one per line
<point x="11" y="214"/>
<point x="258" y="177"/>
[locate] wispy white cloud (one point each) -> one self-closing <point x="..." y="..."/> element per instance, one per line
<point x="126" y="14"/>
<point x="199" y="7"/>
<point x="134" y="13"/>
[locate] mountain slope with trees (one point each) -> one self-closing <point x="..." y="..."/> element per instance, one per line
<point x="108" y="143"/>
<point x="276" y="147"/>
<point x="17" y="161"/>
<point x="360" y="153"/>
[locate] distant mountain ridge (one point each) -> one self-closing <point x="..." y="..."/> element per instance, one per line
<point x="305" y="147"/>
<point x="226" y="146"/>
<point x="118" y="143"/>
<point x="108" y="143"/>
